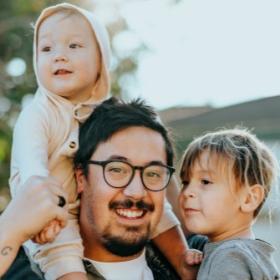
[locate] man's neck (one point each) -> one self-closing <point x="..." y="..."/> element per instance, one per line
<point x="136" y="268"/>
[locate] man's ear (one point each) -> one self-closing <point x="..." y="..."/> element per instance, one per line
<point x="252" y="197"/>
<point x="80" y="180"/>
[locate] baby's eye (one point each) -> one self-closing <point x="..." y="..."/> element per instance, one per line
<point x="205" y="182"/>
<point x="46" y="49"/>
<point x="74" y="46"/>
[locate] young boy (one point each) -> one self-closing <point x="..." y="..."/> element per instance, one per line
<point x="71" y="61"/>
<point x="226" y="177"/>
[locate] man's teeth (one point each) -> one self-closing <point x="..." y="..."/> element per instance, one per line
<point x="129" y="213"/>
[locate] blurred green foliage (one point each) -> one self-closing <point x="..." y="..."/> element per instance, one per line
<point x="16" y="36"/>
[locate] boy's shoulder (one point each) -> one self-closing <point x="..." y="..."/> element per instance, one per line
<point x="238" y="259"/>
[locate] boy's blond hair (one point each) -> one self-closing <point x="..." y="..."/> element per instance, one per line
<point x="249" y="160"/>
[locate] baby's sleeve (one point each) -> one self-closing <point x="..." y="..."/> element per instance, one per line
<point x="30" y="158"/>
<point x="30" y="148"/>
<point x="62" y="256"/>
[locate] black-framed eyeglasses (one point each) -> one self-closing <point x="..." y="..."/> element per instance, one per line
<point x="118" y="174"/>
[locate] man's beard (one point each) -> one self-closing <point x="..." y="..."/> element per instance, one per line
<point x="123" y="247"/>
<point x="132" y="242"/>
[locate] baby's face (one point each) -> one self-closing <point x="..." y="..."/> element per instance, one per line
<point x="68" y="57"/>
<point x="209" y="204"/>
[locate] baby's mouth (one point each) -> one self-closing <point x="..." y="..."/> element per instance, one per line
<point x="62" y="72"/>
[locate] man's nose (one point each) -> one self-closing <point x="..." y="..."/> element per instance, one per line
<point x="135" y="189"/>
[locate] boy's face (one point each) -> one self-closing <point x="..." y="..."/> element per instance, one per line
<point x="209" y="201"/>
<point x="68" y="58"/>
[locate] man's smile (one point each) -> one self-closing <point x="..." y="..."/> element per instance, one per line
<point x="130" y="214"/>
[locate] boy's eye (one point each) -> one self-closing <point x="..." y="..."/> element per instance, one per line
<point x="46" y="49"/>
<point x="184" y="184"/>
<point x="74" y="46"/>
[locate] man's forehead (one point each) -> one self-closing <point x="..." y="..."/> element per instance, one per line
<point x="133" y="143"/>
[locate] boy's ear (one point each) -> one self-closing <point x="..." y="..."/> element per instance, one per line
<point x="80" y="180"/>
<point x="251" y="198"/>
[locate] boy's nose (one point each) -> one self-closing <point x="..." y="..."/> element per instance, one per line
<point x="135" y="189"/>
<point x="189" y="191"/>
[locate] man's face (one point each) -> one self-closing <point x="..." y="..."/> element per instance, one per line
<point x="111" y="218"/>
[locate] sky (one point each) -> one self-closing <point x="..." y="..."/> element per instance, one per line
<point x="216" y="52"/>
<point x="199" y="52"/>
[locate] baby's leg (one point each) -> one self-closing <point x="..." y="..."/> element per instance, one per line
<point x="63" y="256"/>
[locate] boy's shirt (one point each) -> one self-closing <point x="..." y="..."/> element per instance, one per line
<point x="244" y="259"/>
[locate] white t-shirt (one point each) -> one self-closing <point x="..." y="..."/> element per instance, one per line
<point x="136" y="269"/>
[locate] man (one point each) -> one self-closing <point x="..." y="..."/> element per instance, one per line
<point x="123" y="166"/>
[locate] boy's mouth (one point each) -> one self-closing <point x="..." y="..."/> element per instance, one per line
<point x="62" y="72"/>
<point x="189" y="211"/>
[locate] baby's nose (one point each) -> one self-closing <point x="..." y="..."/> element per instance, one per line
<point x="60" y="56"/>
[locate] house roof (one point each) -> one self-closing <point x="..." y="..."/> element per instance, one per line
<point x="177" y="113"/>
<point x="261" y="115"/>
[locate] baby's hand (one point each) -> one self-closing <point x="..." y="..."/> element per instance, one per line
<point x="190" y="261"/>
<point x="49" y="233"/>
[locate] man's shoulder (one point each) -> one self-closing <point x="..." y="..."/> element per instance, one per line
<point x="161" y="269"/>
<point x="159" y="266"/>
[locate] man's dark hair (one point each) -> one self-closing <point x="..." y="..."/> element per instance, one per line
<point x="112" y="116"/>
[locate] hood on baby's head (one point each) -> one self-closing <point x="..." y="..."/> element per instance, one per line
<point x="103" y="84"/>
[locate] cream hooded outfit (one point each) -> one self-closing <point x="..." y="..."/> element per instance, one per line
<point x="45" y="140"/>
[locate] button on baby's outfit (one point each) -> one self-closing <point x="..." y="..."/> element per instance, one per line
<point x="72" y="145"/>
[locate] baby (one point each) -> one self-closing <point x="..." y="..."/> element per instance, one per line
<point x="71" y="62"/>
<point x="226" y="178"/>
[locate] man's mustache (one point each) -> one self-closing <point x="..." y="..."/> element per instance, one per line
<point x="140" y="205"/>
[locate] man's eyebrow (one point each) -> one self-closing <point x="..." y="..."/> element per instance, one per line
<point x="156" y="162"/>
<point x="118" y="157"/>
